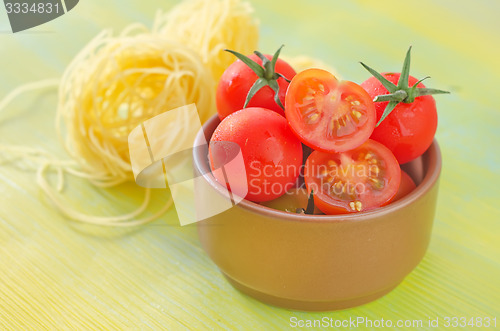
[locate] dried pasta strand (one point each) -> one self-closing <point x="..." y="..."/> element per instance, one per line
<point x="45" y="83"/>
<point x="43" y="161"/>
<point x="127" y="219"/>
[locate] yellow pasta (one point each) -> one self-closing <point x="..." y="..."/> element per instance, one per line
<point x="116" y="83"/>
<point x="209" y="27"/>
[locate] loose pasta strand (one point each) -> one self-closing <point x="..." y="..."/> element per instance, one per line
<point x="42" y="161"/>
<point x="46" y="83"/>
<point x="128" y="219"/>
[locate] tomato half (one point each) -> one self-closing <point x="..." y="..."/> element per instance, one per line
<point x="407" y="185"/>
<point x="326" y="114"/>
<point x="361" y="179"/>
<point x="272" y="154"/>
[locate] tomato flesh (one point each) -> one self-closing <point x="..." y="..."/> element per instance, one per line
<point x="326" y="114"/>
<point x="361" y="179"/>
<point x="407" y="185"/>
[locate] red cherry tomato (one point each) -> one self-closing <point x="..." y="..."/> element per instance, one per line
<point x="237" y="80"/>
<point x="271" y="152"/>
<point x="326" y="114"/>
<point x="409" y="129"/>
<point x="407" y="185"/>
<point x="361" y="179"/>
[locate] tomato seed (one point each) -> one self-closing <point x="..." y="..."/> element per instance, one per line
<point x="377" y="183"/>
<point x="356" y="115"/>
<point x="311" y="119"/>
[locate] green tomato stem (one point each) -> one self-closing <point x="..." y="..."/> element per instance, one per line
<point x="401" y="92"/>
<point x="267" y="76"/>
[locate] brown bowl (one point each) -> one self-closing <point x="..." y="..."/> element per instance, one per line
<point x="319" y="262"/>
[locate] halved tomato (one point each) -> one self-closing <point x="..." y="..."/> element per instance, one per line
<point x="327" y="114"/>
<point x="361" y="179"/>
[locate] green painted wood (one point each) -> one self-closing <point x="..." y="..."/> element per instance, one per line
<point x="56" y="274"/>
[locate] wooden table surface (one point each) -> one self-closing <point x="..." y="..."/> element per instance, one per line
<point x="56" y="274"/>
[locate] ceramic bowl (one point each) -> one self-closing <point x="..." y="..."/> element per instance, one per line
<point x="319" y="262"/>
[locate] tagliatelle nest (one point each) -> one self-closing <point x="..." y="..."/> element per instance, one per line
<point x="116" y="83"/>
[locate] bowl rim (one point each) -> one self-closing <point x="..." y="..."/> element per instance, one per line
<point x="433" y="170"/>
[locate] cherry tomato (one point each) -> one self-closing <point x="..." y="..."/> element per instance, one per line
<point x="326" y="114"/>
<point x="237" y="80"/>
<point x="361" y="179"/>
<point x="409" y="129"/>
<point x="407" y="185"/>
<point x="271" y="152"/>
<point x="294" y="199"/>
